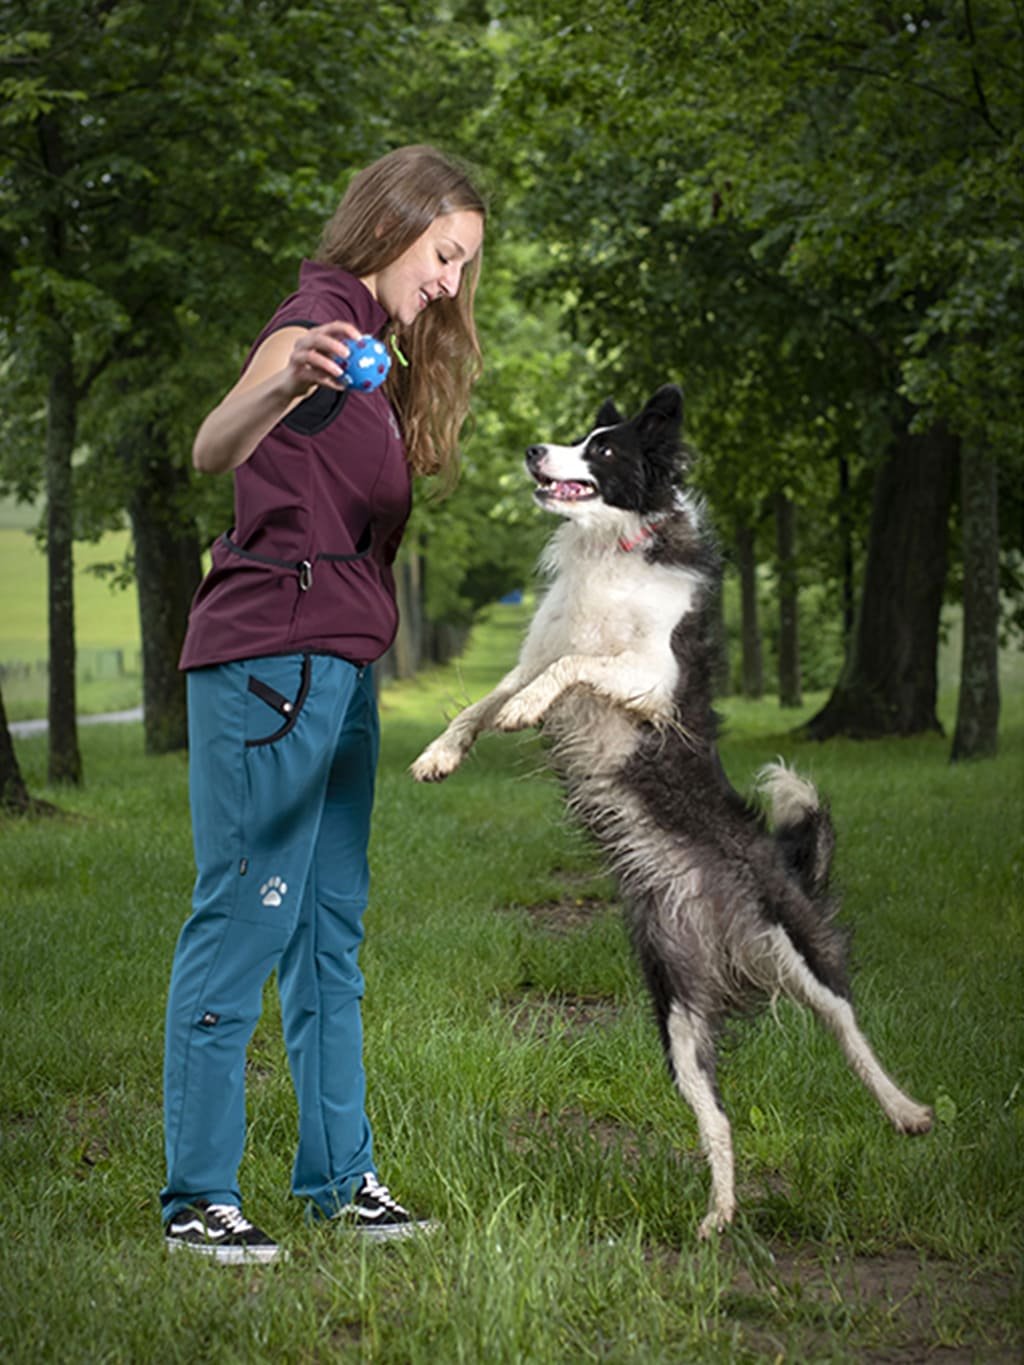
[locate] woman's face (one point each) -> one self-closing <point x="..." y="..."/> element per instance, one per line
<point x="429" y="269"/>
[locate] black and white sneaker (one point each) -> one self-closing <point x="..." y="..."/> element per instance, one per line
<point x="374" y="1214"/>
<point x="220" y="1232"/>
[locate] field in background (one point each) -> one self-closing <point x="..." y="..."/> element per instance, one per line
<point x="107" y="623"/>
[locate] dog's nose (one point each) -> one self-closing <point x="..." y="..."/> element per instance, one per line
<point x="534" y="455"/>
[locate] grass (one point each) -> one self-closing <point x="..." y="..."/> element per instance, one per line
<point x="516" y="1088"/>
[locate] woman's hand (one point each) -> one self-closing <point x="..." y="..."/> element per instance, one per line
<point x="314" y="356"/>
<point x="286" y="368"/>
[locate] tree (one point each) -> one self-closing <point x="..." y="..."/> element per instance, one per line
<point x="65" y="761"/>
<point x="752" y="671"/>
<point x="888" y="683"/>
<point x="158" y="165"/>
<point x="977" y="718"/>
<point x="827" y="188"/>
<point x="196" y="167"/>
<point x="167" y="572"/>
<point x="789" y="631"/>
<point x="54" y="341"/>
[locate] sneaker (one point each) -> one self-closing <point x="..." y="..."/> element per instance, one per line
<point x="220" y="1232"/>
<point x="374" y="1214"/>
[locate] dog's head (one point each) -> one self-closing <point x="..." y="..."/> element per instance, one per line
<point x="626" y="464"/>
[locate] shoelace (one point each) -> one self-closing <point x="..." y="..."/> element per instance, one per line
<point x="232" y="1216"/>
<point x="373" y="1187"/>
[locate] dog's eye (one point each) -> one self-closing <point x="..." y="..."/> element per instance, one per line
<point x="606" y="452"/>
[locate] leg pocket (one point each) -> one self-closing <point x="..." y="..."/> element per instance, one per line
<point x="277" y="694"/>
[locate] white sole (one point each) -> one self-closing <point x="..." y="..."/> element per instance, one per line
<point x="228" y="1255"/>
<point x="394" y="1232"/>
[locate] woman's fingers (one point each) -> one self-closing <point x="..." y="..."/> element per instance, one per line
<point x="318" y="355"/>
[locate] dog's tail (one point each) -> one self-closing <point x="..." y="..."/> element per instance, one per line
<point x="802" y="823"/>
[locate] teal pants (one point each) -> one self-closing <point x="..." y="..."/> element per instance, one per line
<point x="283" y="756"/>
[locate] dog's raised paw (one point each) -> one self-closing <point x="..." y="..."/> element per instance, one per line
<point x="435" y="763"/>
<point x="520" y="713"/>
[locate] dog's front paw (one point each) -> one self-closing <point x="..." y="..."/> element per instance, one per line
<point x="520" y="713"/>
<point x="436" y="762"/>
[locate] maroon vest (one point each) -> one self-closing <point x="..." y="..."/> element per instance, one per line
<point x="320" y="507"/>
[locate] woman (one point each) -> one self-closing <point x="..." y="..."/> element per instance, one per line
<point x="283" y="732"/>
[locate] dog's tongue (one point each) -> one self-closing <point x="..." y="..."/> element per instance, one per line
<point x="569" y="489"/>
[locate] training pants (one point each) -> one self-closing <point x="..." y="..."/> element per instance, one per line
<point x="283" y="755"/>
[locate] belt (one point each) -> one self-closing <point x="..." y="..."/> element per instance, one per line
<point x="302" y="567"/>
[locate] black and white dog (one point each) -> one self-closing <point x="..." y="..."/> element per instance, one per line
<point x="617" y="664"/>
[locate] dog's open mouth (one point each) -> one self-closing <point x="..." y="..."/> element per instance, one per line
<point x="564" y="490"/>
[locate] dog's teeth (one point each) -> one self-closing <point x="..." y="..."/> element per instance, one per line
<point x="566" y="490"/>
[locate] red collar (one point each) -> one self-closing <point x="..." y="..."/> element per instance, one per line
<point x="646" y="531"/>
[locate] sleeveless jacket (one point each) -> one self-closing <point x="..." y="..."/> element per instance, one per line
<point x="320" y="507"/>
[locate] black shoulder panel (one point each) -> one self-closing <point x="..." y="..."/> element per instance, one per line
<point x="322" y="406"/>
<point x="317" y="411"/>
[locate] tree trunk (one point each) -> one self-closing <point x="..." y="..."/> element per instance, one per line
<point x="721" y="674"/>
<point x="65" y="763"/>
<point x="752" y="673"/>
<point x="405" y="647"/>
<point x="888" y="683"/>
<point x="168" y="569"/>
<point x="444" y="641"/>
<point x="14" y="794"/>
<point x="14" y="797"/>
<point x="977" y="717"/>
<point x="846" y="549"/>
<point x="403" y="658"/>
<point x="789" y="602"/>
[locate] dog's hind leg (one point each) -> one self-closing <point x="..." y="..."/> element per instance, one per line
<point x="691" y="1054"/>
<point x="836" y="1013"/>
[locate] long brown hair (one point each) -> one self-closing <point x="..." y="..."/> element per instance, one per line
<point x="386" y="208"/>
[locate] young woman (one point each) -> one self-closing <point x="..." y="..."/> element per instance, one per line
<point x="283" y="732"/>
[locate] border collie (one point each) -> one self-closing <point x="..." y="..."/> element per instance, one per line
<point x="723" y="907"/>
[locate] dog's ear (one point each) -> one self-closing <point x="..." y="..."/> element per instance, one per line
<point x="662" y="414"/>
<point x="608" y="415"/>
<point x="666" y="405"/>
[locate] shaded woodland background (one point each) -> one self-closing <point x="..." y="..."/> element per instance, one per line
<point x="806" y="213"/>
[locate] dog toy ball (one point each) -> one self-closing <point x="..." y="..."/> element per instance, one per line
<point x="366" y="365"/>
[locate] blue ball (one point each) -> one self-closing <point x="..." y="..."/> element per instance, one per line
<point x="366" y="366"/>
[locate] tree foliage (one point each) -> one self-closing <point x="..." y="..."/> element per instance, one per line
<point x="808" y="212"/>
<point x="201" y="147"/>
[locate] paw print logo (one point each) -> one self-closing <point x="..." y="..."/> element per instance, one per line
<point x="273" y="891"/>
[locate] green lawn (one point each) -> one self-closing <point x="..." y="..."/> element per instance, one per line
<point x="107" y="626"/>
<point x="516" y="1086"/>
<point x="106" y="617"/>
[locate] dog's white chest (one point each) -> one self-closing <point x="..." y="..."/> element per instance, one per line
<point x="612" y="605"/>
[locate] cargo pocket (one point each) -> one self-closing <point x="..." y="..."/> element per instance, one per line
<point x="288" y="708"/>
